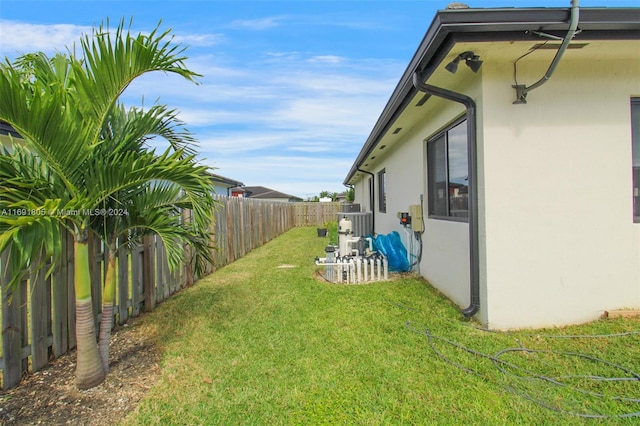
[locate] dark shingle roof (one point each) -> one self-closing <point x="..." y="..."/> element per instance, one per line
<point x="6" y="129"/>
<point x="267" y="193"/>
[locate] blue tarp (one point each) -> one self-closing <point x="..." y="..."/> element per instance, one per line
<point x="391" y="246"/>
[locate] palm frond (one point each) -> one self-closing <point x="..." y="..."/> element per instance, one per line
<point x="111" y="63"/>
<point x="83" y="151"/>
<point x="131" y="130"/>
<point x="49" y="74"/>
<point x="131" y="169"/>
<point x="25" y="177"/>
<point x="43" y="117"/>
<point x="30" y="209"/>
<point x="29" y="238"/>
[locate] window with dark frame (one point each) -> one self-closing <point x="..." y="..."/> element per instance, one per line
<point x="635" y="155"/>
<point x="382" y="191"/>
<point x="448" y="173"/>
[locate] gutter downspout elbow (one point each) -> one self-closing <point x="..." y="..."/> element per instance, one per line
<point x="521" y="89"/>
<point x="472" y="158"/>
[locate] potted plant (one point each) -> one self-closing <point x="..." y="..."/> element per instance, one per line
<point x="322" y="230"/>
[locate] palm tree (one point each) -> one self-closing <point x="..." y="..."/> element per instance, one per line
<point x="61" y="107"/>
<point x="154" y="207"/>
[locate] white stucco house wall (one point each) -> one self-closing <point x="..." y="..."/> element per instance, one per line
<point x="530" y="196"/>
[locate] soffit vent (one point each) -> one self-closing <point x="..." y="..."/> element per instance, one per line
<point x="556" y="46"/>
<point x="397" y="130"/>
<point x="423" y="100"/>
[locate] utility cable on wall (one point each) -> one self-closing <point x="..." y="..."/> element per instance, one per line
<point x="515" y="63"/>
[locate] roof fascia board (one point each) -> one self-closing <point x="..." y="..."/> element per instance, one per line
<point x="225" y="180"/>
<point x="454" y="26"/>
<point x="547" y="18"/>
<point x="521" y="36"/>
<point x="233" y="183"/>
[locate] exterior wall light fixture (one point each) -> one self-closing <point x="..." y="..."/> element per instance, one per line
<point x="471" y="59"/>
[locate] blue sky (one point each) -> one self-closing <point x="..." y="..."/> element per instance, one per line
<point x="290" y="89"/>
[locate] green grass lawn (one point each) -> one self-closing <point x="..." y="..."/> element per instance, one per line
<point x="260" y="344"/>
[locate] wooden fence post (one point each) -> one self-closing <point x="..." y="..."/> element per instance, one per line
<point x="123" y="284"/>
<point x="231" y="255"/>
<point x="137" y="278"/>
<point x="160" y="279"/>
<point x="261" y="224"/>
<point x="39" y="315"/>
<point x="71" y="292"/>
<point x="148" y="281"/>
<point x="96" y="256"/>
<point x="162" y="271"/>
<point x="59" y="300"/>
<point x="240" y="226"/>
<point x="12" y="327"/>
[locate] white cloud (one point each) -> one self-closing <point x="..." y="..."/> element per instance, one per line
<point x="289" y="120"/>
<point x="346" y="81"/>
<point x="303" y="176"/>
<point x="343" y="103"/>
<point x="346" y="115"/>
<point x="208" y="117"/>
<point x="239" y="142"/>
<point x="329" y="59"/>
<point x="200" y="39"/>
<point x="279" y="57"/>
<point x="20" y="37"/>
<point x="256" y="24"/>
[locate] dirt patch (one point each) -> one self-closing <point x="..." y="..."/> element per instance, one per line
<point x="50" y="397"/>
<point x="286" y="266"/>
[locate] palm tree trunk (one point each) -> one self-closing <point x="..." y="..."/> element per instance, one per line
<point x="89" y="370"/>
<point x="108" y="298"/>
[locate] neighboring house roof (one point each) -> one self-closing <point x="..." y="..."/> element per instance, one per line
<point x="225" y="181"/>
<point x="6" y="129"/>
<point x="238" y="189"/>
<point x="6" y="133"/>
<point x="261" y="192"/>
<point x="474" y="26"/>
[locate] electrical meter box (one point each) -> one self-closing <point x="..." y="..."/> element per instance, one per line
<point x="415" y="211"/>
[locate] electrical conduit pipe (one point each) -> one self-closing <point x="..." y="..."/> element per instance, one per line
<point x="522" y="90"/>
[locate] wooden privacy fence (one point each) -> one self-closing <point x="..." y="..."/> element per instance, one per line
<point x="316" y="214"/>
<point x="242" y="224"/>
<point x="39" y="323"/>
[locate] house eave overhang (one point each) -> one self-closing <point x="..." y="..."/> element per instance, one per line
<point x="450" y="27"/>
<point x="226" y="181"/>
